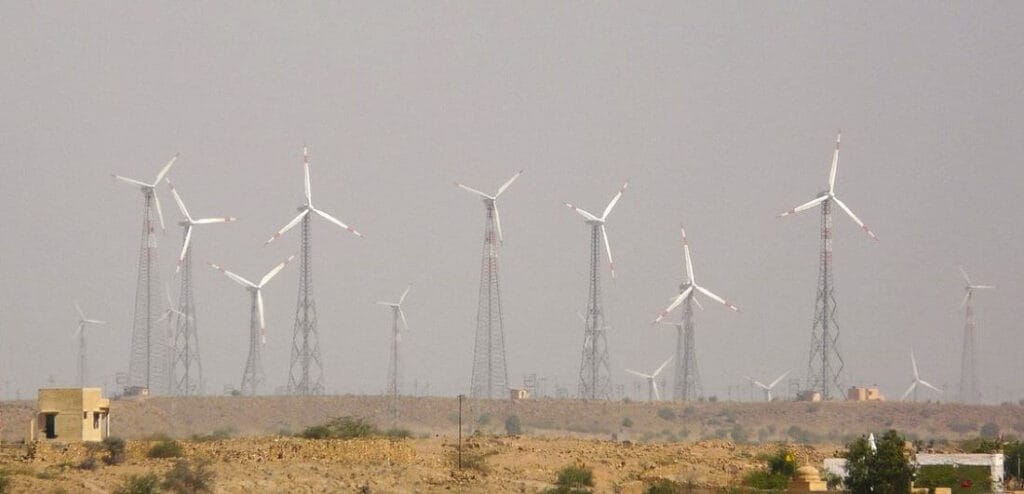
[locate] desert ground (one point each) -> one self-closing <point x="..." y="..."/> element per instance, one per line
<point x="628" y="445"/>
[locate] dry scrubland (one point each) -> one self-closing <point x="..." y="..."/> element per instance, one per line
<point x="700" y="443"/>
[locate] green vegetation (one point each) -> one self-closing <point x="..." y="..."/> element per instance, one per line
<point x="114" y="450"/>
<point x="666" y="486"/>
<point x="5" y="482"/>
<point x="666" y="413"/>
<point x="779" y="469"/>
<point x="189" y="478"/>
<point x="1013" y="463"/>
<point x="341" y="428"/>
<point x="147" y="483"/>
<point x="989" y="431"/>
<point x="217" y="435"/>
<point x="627" y="422"/>
<point x="512" y="425"/>
<point x="885" y="471"/>
<point x="166" y="448"/>
<point x="573" y="479"/>
<point x="962" y="479"/>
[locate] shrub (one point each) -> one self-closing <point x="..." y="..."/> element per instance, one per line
<point x="189" y="478"/>
<point x="666" y="413"/>
<point x="1013" y="464"/>
<point x="512" y="425"/>
<point x="217" y="435"/>
<point x="5" y="482"/>
<point x="765" y="480"/>
<point x="114" y="447"/>
<point x="165" y="448"/>
<point x="574" y="478"/>
<point x="397" y="433"/>
<point x="989" y="431"/>
<point x="780" y="467"/>
<point x="666" y="486"/>
<point x="627" y="422"/>
<point x="739" y="434"/>
<point x="341" y="428"/>
<point x="472" y="459"/>
<point x="140" y="484"/>
<point x="89" y="463"/>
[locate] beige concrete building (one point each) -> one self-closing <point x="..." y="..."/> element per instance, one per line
<point x="858" y="393"/>
<point x="518" y="394"/>
<point x="71" y="414"/>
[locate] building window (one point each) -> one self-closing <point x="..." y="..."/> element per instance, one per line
<point x="95" y="420"/>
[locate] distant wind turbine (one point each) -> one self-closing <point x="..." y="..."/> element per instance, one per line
<point x="917" y="380"/>
<point x="652" y="390"/>
<point x="768" y="388"/>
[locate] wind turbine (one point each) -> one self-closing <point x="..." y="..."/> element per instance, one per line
<point x="970" y="391"/>
<point x="768" y="388"/>
<point x="396" y="338"/>
<point x="917" y="380"/>
<point x="186" y="368"/>
<point x="595" y="368"/>
<point x="305" y="354"/>
<point x="80" y="334"/>
<point x="825" y="364"/>
<point x="252" y="377"/>
<point x="687" y="375"/>
<point x="490" y="367"/>
<point x="147" y="361"/>
<point x="652" y="391"/>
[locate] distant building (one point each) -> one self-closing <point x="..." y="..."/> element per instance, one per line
<point x="808" y="395"/>
<point x="857" y="393"/>
<point x="519" y="394"/>
<point x="71" y="414"/>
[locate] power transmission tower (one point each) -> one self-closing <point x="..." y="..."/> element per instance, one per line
<point x="186" y="368"/>
<point x="147" y="366"/>
<point x="252" y="376"/>
<point x="595" y="365"/>
<point x="83" y="378"/>
<point x="306" y="373"/>
<point x="490" y="370"/>
<point x="825" y="364"/>
<point x="687" y="386"/>
<point x="393" y="376"/>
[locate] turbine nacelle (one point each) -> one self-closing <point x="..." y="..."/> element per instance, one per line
<point x="599" y="222"/>
<point x="308" y="207"/>
<point x="491" y="202"/>
<point x="689" y="286"/>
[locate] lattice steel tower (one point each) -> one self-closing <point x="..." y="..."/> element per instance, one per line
<point x="394" y="378"/>
<point x="970" y="389"/>
<point x="490" y="368"/>
<point x="595" y="364"/>
<point x="824" y="363"/>
<point x="186" y="368"/>
<point x="149" y="365"/>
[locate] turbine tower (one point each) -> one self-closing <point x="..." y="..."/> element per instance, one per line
<point x="687" y="380"/>
<point x="595" y="365"/>
<point x="306" y="370"/>
<point x="652" y="385"/>
<point x="768" y="388"/>
<point x="970" y="391"/>
<point x="80" y="334"/>
<point x="253" y="375"/>
<point x="917" y="380"/>
<point x="186" y="367"/>
<point x="147" y="365"/>
<point x="824" y="363"/>
<point x="490" y="368"/>
<point x="394" y="378"/>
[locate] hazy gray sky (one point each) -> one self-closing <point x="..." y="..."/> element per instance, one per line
<point x="721" y="114"/>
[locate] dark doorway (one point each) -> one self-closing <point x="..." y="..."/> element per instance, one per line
<point x="51" y="425"/>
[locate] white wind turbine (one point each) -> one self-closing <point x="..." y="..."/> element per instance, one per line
<point x="830" y="195"/>
<point x="917" y="380"/>
<point x="252" y="377"/>
<point x="149" y="190"/>
<point x="768" y="388"/>
<point x="80" y="334"/>
<point x="396" y="337"/>
<point x="652" y="391"/>
<point x="189" y="222"/>
<point x="597" y="224"/>
<point x="490" y="202"/>
<point x="970" y="391"/>
<point x="690" y="285"/>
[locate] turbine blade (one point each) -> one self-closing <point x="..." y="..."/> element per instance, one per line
<point x="913" y="362"/>
<point x="582" y="212"/>
<point x="718" y="299"/>
<point x="658" y="371"/>
<point x="159" y="211"/>
<point x="405" y="323"/>
<point x="967" y="295"/>
<point x="132" y="181"/>
<point x="81" y="315"/>
<point x="983" y="287"/>
<point x="238" y="279"/>
<point x="184" y="247"/>
<point x="776" y="381"/>
<point x="614" y="201"/>
<point x="305" y="171"/>
<point x="289" y="226"/>
<point x="657" y="394"/>
<point x="686" y="257"/>
<point x="334" y="220"/>
<point x="855" y="218"/>
<point x="675" y="303"/>
<point x="964" y="272"/>
<point x="94" y="321"/>
<point x="933" y="388"/>
<point x="210" y="221"/>
<point x="259" y="308"/>
<point x="497" y="224"/>
<point x="470" y="189"/>
<point x="163" y="171"/>
<point x="835" y="163"/>
<point x="181" y="204"/>
<point x="273" y="272"/>
<point x="506" y="184"/>
<point x="78" y="330"/>
<point x="406" y="292"/>
<point x="638" y="374"/>
<point x="608" y="247"/>
<point x="908" y="391"/>
<point x="807" y="205"/>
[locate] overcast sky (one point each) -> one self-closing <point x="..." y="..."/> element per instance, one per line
<point x="721" y="115"/>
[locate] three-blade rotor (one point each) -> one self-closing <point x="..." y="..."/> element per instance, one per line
<point x="151" y="188"/>
<point x="492" y="201"/>
<point x="189" y="223"/>
<point x="970" y="287"/>
<point x="651" y="378"/>
<point x="308" y="206"/>
<point x="690" y="285"/>
<point x="830" y="194"/>
<point x="257" y="289"/>
<point x="917" y="380"/>
<point x="768" y="387"/>
<point x="397" y="307"/>
<point x="594" y="220"/>
<point x="84" y="321"/>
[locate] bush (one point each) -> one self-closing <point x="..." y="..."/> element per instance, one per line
<point x="5" y="482"/>
<point x="397" y="433"/>
<point x="666" y="486"/>
<point x="885" y="471"/>
<point x="166" y="448"/>
<point x="89" y="463"/>
<point x="217" y="435"/>
<point x="140" y="484"/>
<point x="114" y="447"/>
<point x="765" y="480"/>
<point x="512" y="425"/>
<point x="627" y="422"/>
<point x="341" y="428"/>
<point x="779" y="469"/>
<point x="666" y="413"/>
<point x="1013" y="460"/>
<point x="989" y="431"/>
<point x="573" y="479"/>
<point x="189" y="478"/>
